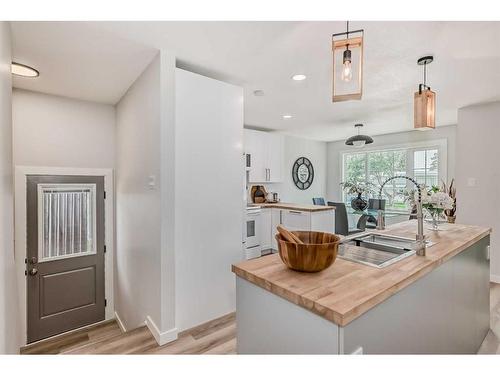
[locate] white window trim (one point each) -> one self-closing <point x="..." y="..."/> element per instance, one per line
<point x="441" y="144"/>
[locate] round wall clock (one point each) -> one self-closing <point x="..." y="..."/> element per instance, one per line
<point x="303" y="173"/>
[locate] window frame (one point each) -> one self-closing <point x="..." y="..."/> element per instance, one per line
<point x="410" y="148"/>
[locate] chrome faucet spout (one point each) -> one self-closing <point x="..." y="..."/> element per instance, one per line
<point x="420" y="237"/>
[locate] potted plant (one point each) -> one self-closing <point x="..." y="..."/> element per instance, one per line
<point x="451" y="214"/>
<point x="360" y="189"/>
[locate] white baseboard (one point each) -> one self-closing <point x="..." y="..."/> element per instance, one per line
<point x="495" y="279"/>
<point x="120" y="323"/>
<point x="161" y="338"/>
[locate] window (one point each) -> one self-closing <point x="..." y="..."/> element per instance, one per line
<point x="420" y="162"/>
<point x="66" y="220"/>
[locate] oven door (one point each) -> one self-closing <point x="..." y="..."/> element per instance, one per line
<point x="253" y="229"/>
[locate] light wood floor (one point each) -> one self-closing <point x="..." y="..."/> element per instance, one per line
<point x="215" y="337"/>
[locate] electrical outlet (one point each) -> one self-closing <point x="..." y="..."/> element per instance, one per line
<point x="152" y="182"/>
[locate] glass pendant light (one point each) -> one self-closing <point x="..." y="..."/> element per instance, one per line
<point x="347" y="65"/>
<point x="424" y="104"/>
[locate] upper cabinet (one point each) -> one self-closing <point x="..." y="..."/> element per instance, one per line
<point x="266" y="156"/>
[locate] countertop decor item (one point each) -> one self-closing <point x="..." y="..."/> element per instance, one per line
<point x="318" y="251"/>
<point x="303" y="173"/>
<point x="347" y="49"/>
<point x="359" y="140"/>
<point x="436" y="202"/>
<point x="424" y="101"/>
<point x="258" y="194"/>
<point x="359" y="188"/>
<point x="451" y="214"/>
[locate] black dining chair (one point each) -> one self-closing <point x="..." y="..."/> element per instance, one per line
<point x="374" y="204"/>
<point x="319" y="201"/>
<point x="342" y="221"/>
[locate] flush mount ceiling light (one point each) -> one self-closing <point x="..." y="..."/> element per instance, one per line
<point x="359" y="140"/>
<point x="424" y="102"/>
<point x="299" y="77"/>
<point x="286" y="117"/>
<point x="22" y="70"/>
<point x="347" y="65"/>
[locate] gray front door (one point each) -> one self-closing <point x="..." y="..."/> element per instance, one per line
<point x="65" y="253"/>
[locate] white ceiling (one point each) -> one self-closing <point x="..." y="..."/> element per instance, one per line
<point x="99" y="60"/>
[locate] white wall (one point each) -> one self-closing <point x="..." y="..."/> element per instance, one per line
<point x="478" y="173"/>
<point x="9" y="325"/>
<point x="138" y="210"/>
<point x="316" y="152"/>
<point x="209" y="183"/>
<point x="334" y="192"/>
<point x="53" y="131"/>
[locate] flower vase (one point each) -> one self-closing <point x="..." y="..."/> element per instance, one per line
<point x="358" y="203"/>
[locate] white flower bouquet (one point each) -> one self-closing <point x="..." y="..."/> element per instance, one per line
<point x="436" y="202"/>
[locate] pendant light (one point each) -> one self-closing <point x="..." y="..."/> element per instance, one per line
<point x="359" y="140"/>
<point x="424" y="105"/>
<point x="347" y="65"/>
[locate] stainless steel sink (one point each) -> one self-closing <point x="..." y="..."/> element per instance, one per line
<point x="377" y="250"/>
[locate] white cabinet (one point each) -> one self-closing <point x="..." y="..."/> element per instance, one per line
<point x="296" y="220"/>
<point x="319" y="221"/>
<point x="266" y="228"/>
<point x="266" y="152"/>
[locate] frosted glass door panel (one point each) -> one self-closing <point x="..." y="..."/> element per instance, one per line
<point x="66" y="221"/>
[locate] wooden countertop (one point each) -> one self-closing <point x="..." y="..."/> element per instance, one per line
<point x="295" y="206"/>
<point x="346" y="290"/>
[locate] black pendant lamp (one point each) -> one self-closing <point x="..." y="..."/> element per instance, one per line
<point x="359" y="140"/>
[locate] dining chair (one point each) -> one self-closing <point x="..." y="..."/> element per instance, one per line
<point x="342" y="221"/>
<point x="319" y="201"/>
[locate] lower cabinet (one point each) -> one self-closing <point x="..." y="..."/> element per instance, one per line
<point x="321" y="221"/>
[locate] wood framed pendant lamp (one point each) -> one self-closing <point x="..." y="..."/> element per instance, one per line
<point x="347" y="48"/>
<point x="424" y="101"/>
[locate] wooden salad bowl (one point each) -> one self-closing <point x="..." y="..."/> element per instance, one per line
<point x="317" y="253"/>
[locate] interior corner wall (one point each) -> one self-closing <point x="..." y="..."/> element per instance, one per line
<point x="478" y="173"/>
<point x="138" y="201"/>
<point x="9" y="324"/>
<point x="335" y="149"/>
<point x="55" y="131"/>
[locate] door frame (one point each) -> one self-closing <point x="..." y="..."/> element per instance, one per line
<point x="20" y="232"/>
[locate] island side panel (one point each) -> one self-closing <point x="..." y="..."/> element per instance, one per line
<point x="445" y="312"/>
<point x="268" y="324"/>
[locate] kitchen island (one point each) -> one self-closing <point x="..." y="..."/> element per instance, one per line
<point x="438" y="303"/>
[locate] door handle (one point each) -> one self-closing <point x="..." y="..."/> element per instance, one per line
<point x="33" y="260"/>
<point x="33" y="271"/>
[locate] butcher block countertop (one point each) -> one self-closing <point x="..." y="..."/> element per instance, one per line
<point x="295" y="206"/>
<point x="346" y="290"/>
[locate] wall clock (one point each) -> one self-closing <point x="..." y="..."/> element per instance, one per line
<point x="303" y="173"/>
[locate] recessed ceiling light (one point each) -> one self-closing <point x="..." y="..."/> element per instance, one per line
<point x="286" y="117"/>
<point x="299" y="77"/>
<point x="258" y="92"/>
<point x="23" y="70"/>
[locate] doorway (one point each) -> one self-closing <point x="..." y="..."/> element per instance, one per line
<point x="65" y="285"/>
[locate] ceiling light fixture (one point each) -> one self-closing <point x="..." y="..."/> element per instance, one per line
<point x="299" y="77"/>
<point x="424" y="101"/>
<point x="258" y="92"/>
<point x="348" y="75"/>
<point x="286" y="117"/>
<point x="22" y="70"/>
<point x="359" y="140"/>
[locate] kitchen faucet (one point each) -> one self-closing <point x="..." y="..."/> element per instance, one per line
<point x="420" y="246"/>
